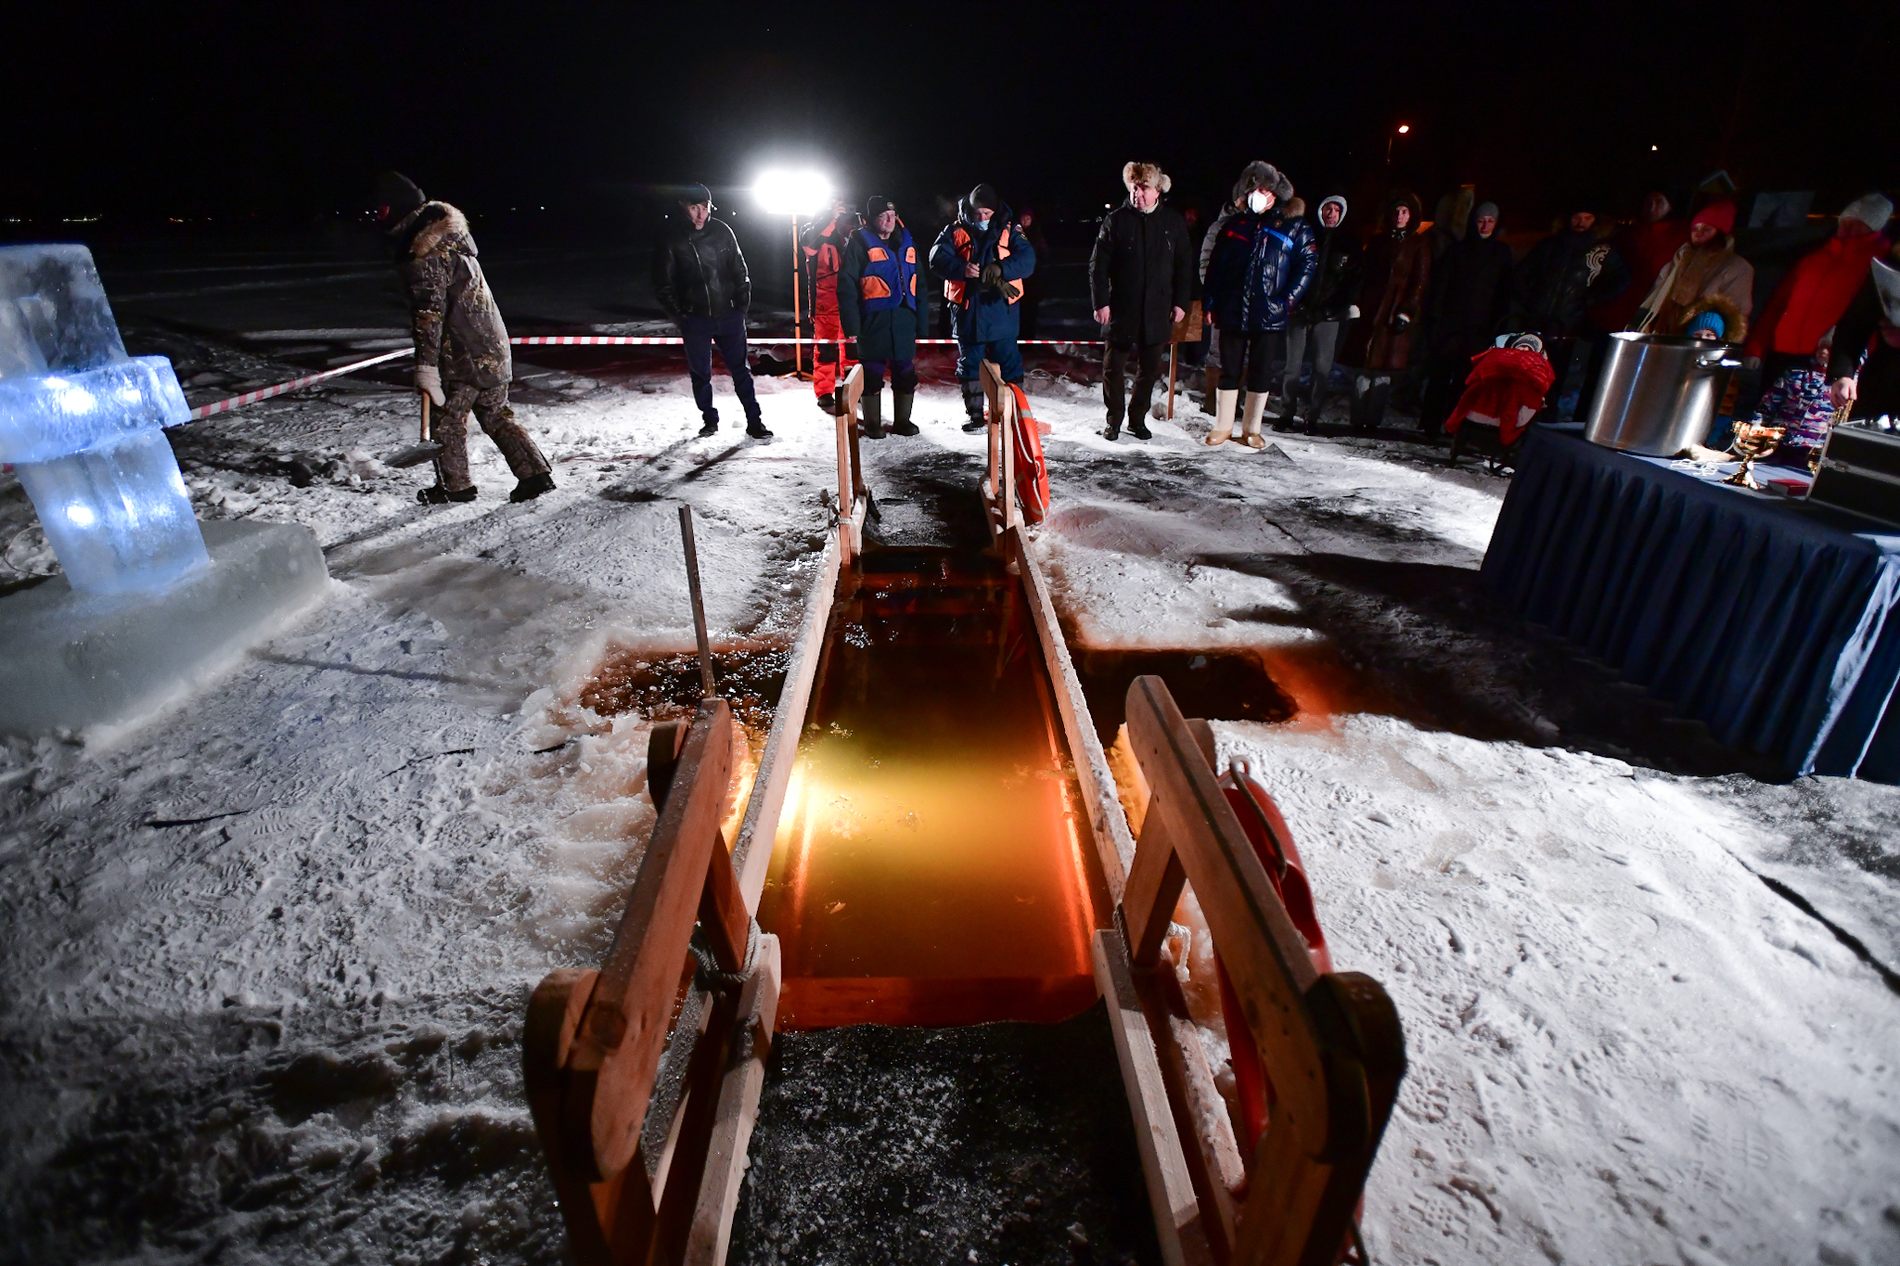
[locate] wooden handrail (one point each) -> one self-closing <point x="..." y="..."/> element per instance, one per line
<point x="1330" y="1043"/>
<point x="853" y="493"/>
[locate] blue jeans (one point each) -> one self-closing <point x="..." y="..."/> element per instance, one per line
<point x="1008" y="358"/>
<point x="728" y="331"/>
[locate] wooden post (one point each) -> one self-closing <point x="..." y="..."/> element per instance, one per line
<point x="846" y="499"/>
<point x="708" y="690"/>
<point x="798" y="285"/>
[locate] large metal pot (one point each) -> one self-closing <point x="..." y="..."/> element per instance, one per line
<point x="1658" y="392"/>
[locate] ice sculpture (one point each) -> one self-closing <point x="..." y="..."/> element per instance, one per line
<point x="82" y="423"/>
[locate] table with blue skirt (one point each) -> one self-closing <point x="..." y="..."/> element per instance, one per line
<point x="1774" y="622"/>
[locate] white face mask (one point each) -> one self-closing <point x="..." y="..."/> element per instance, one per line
<point x="1258" y="201"/>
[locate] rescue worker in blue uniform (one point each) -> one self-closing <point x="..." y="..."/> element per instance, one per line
<point x="982" y="259"/>
<point x="878" y="306"/>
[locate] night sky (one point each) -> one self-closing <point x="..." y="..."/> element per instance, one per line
<point x="288" y="110"/>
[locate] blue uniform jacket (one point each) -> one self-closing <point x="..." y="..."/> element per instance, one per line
<point x="988" y="316"/>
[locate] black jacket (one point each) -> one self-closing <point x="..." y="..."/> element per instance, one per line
<point x="1471" y="295"/>
<point x="700" y="272"/>
<point x="1564" y="274"/>
<point x="1335" y="278"/>
<point x="1879" y="390"/>
<point x="1140" y="269"/>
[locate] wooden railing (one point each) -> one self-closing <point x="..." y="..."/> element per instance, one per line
<point x="634" y="1190"/>
<point x="999" y="480"/>
<point x="1330" y="1043"/>
<point x="854" y="497"/>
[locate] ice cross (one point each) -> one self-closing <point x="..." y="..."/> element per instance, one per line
<point x="83" y="423"/>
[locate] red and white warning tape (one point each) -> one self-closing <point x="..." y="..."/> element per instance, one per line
<point x="562" y="340"/>
<point x="265" y="393"/>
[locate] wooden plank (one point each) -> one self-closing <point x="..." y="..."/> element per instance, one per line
<point x="845" y="495"/>
<point x="722" y="911"/>
<point x="617" y="1049"/>
<point x="679" y="1190"/>
<point x="1114" y="845"/>
<point x="752" y="855"/>
<point x="737" y="1111"/>
<point x="1154" y="889"/>
<point x="1264" y="955"/>
<point x="1179" y="1222"/>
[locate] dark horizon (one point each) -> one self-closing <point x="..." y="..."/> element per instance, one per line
<point x="231" y="110"/>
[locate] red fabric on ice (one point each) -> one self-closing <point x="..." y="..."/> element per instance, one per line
<point x="1506" y="385"/>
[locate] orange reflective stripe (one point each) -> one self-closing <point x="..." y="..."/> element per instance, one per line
<point x="913" y="285"/>
<point x="877" y="255"/>
<point x="910" y="254"/>
<point x="873" y="288"/>
<point x="953" y="291"/>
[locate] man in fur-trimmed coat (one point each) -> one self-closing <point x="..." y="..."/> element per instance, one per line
<point x="1141" y="275"/>
<point x="462" y="358"/>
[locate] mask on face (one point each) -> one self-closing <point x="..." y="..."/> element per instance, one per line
<point x="983" y="222"/>
<point x="1257" y="202"/>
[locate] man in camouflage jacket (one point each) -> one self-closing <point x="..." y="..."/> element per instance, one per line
<point x="462" y="358"/>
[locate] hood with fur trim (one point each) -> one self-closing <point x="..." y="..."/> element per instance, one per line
<point x="1145" y="174"/>
<point x="1262" y="175"/>
<point x="1734" y="320"/>
<point x="1405" y="198"/>
<point x="434" y="226"/>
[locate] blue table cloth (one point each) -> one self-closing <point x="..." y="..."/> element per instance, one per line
<point x="1775" y="622"/>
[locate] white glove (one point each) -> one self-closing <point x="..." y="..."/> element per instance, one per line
<point x="1352" y="312"/>
<point x="429" y="383"/>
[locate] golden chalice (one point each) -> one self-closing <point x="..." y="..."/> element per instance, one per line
<point x="1753" y="441"/>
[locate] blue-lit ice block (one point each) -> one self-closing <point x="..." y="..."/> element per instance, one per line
<point x="82" y="423"/>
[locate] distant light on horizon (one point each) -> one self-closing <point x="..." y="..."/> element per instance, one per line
<point x="1405" y="129"/>
<point x="1652" y="149"/>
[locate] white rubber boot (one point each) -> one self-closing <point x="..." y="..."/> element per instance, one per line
<point x="1250" y="425"/>
<point x="1224" y="402"/>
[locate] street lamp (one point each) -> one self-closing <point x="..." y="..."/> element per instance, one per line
<point x="793" y="192"/>
<point x="1404" y="129"/>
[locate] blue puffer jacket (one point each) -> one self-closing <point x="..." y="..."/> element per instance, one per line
<point x="984" y="316"/>
<point x="1260" y="270"/>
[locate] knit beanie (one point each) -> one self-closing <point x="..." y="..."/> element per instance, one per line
<point x="984" y="195"/>
<point x="1871" y="209"/>
<point x="693" y="195"/>
<point x="1484" y="209"/>
<point x="876" y="205"/>
<point x="1706" y="320"/>
<point x="396" y="196"/>
<point x="1720" y="214"/>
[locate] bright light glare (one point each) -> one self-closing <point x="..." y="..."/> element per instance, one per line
<point x="80" y="515"/>
<point x="786" y="191"/>
<point x="1404" y="128"/>
<point x="75" y="400"/>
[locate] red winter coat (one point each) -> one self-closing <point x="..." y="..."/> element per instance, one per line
<point x="1506" y="386"/>
<point x="1814" y="294"/>
<point x="1647" y="250"/>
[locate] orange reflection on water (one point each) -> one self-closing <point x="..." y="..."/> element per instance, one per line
<point x="927" y="866"/>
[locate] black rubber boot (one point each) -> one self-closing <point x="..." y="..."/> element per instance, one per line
<point x="1138" y="427"/>
<point x="711" y="427"/>
<point x="437" y="495"/>
<point x="873" y="416"/>
<point x="901" y="402"/>
<point x="756" y="429"/>
<point x="973" y="405"/>
<point x="533" y="486"/>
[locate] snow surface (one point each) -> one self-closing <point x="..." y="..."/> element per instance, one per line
<point x="266" y="954"/>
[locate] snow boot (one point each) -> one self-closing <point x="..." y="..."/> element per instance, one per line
<point x="901" y="402"/>
<point x="1111" y="431"/>
<point x="711" y="428"/>
<point x="755" y="427"/>
<point x="973" y="405"/>
<point x="873" y="416"/>
<point x="1223" y="431"/>
<point x="533" y="486"/>
<point x="1250" y="424"/>
<point x="829" y="405"/>
<point x="437" y="495"/>
<point x="1138" y="427"/>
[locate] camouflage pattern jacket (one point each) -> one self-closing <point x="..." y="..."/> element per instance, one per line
<point x="457" y="327"/>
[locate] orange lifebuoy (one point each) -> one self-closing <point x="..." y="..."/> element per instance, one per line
<point x="1273" y="844"/>
<point x="1032" y="472"/>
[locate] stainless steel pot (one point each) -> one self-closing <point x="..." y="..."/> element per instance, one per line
<point x="1658" y="393"/>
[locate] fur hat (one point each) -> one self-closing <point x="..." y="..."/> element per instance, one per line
<point x="1334" y="198"/>
<point x="1871" y="209"/>
<point x="1721" y="214"/>
<point x="1294" y="206"/>
<point x="396" y="196"/>
<point x="984" y="195"/>
<point x="1262" y="175"/>
<point x="1145" y="174"/>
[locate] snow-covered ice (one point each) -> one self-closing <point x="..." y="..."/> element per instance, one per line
<point x="264" y="962"/>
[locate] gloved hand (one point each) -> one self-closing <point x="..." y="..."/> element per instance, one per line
<point x="1352" y="312"/>
<point x="992" y="276"/>
<point x="429" y="383"/>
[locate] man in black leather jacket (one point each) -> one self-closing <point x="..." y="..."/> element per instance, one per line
<point x="702" y="283"/>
